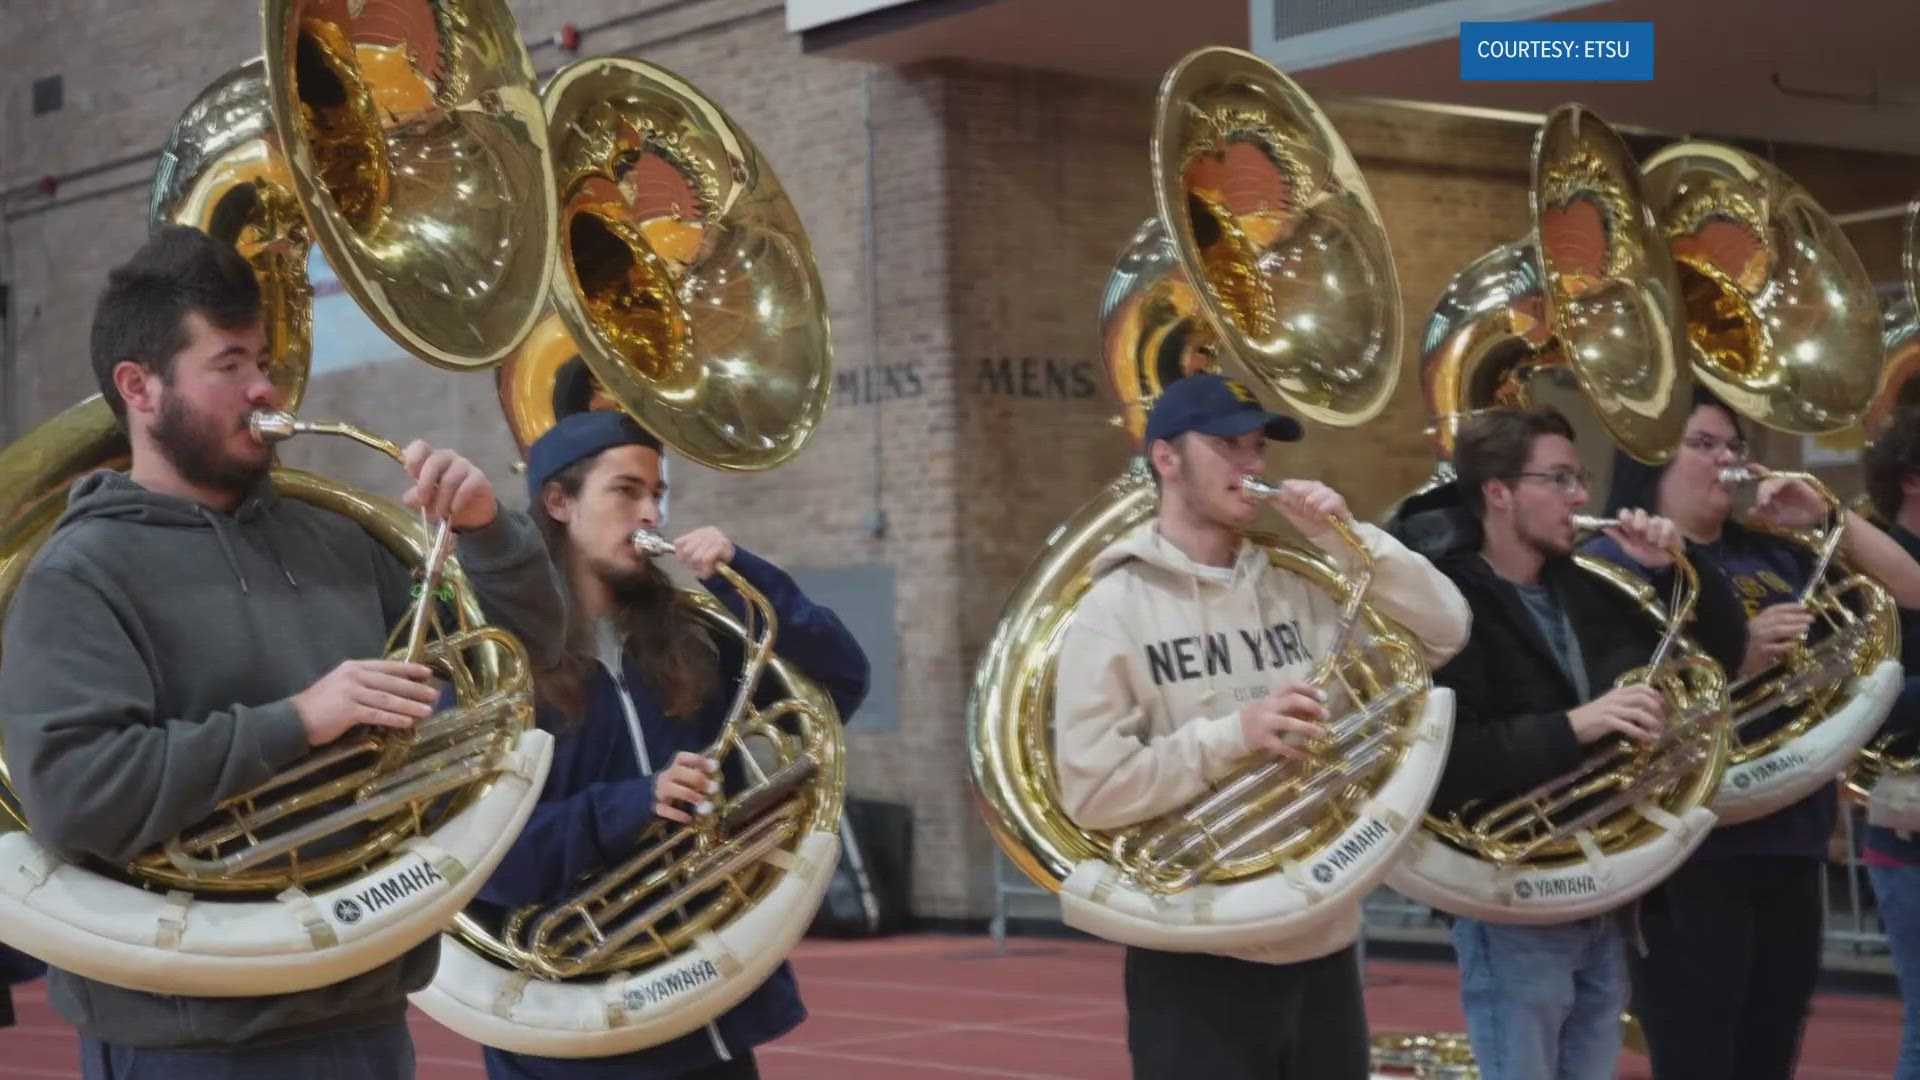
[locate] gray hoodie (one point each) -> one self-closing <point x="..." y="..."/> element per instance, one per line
<point x="147" y="667"/>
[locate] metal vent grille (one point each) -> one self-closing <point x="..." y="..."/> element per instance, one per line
<point x="1294" y="17"/>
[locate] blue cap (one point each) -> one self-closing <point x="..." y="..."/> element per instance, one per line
<point x="578" y="436"/>
<point x="1214" y="405"/>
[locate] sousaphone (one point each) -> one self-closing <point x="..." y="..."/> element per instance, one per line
<point x="1785" y="328"/>
<point x="372" y="132"/>
<point x="1900" y="339"/>
<point x="687" y="286"/>
<point x="1885" y="776"/>
<point x="1590" y="292"/>
<point x="1267" y="257"/>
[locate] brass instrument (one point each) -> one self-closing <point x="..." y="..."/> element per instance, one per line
<point x="1423" y="1056"/>
<point x="1846" y="678"/>
<point x="396" y="778"/>
<point x="1267" y="255"/>
<point x="1785" y="328"/>
<point x="1900" y="340"/>
<point x="1266" y="252"/>
<point x="688" y="288"/>
<point x="1254" y="817"/>
<point x="720" y="857"/>
<point x="354" y="811"/>
<point x="1590" y="291"/>
<point x="1782" y="318"/>
<point x="407" y="142"/>
<point x="1604" y="798"/>
<point x="355" y="130"/>
<point x="685" y="276"/>
<point x="1885" y="776"/>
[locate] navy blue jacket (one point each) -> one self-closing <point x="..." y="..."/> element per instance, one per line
<point x="597" y="800"/>
<point x="1764" y="570"/>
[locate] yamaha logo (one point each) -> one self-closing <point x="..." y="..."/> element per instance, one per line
<point x="347" y="910"/>
<point x="1742" y="781"/>
<point x="688" y="977"/>
<point x="1523" y="889"/>
<point x="1322" y="873"/>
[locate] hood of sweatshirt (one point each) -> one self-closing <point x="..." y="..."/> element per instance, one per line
<point x="106" y="495"/>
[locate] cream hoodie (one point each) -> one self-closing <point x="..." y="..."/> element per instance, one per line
<point x="1164" y="652"/>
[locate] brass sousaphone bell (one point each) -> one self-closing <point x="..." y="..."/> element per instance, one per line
<point x="1266" y="257"/>
<point x="1885" y="777"/>
<point x="1590" y="291"/>
<point x="1785" y="328"/>
<point x="1899" y="340"/>
<point x="403" y="138"/>
<point x="687" y="286"/>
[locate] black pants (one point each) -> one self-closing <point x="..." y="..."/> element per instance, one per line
<point x="1733" y="952"/>
<point x="742" y="1067"/>
<point x="380" y="1053"/>
<point x="503" y="1066"/>
<point x="1194" y="1014"/>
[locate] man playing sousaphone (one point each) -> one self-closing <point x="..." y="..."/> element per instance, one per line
<point x="187" y="633"/>
<point x="1187" y="658"/>
<point x="1534" y="692"/>
<point x="641" y="690"/>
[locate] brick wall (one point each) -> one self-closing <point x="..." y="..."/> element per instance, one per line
<point x="964" y="218"/>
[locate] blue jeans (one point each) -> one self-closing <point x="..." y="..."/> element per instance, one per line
<point x="1898" y="890"/>
<point x="1543" y="1002"/>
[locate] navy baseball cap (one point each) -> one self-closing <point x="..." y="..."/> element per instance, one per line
<point x="578" y="436"/>
<point x="1215" y="405"/>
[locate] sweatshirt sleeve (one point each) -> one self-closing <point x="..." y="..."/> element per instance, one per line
<point x="569" y="836"/>
<point x="1411" y="591"/>
<point x="98" y="771"/>
<point x="512" y="576"/>
<point x="810" y="636"/>
<point x="1110" y="775"/>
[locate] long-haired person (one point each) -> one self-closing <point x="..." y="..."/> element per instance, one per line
<point x="641" y="689"/>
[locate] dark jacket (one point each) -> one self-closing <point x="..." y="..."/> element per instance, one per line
<point x="151" y="654"/>
<point x="1512" y="697"/>
<point x="15" y="967"/>
<point x="597" y="801"/>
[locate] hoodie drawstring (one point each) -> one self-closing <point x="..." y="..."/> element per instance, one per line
<point x="233" y="561"/>
<point x="226" y="548"/>
<point x="267" y="539"/>
<point x="1206" y="638"/>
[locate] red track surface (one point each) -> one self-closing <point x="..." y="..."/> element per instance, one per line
<point x="939" y="1007"/>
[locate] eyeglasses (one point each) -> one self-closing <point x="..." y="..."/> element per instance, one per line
<point x="1569" y="481"/>
<point x="1711" y="444"/>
